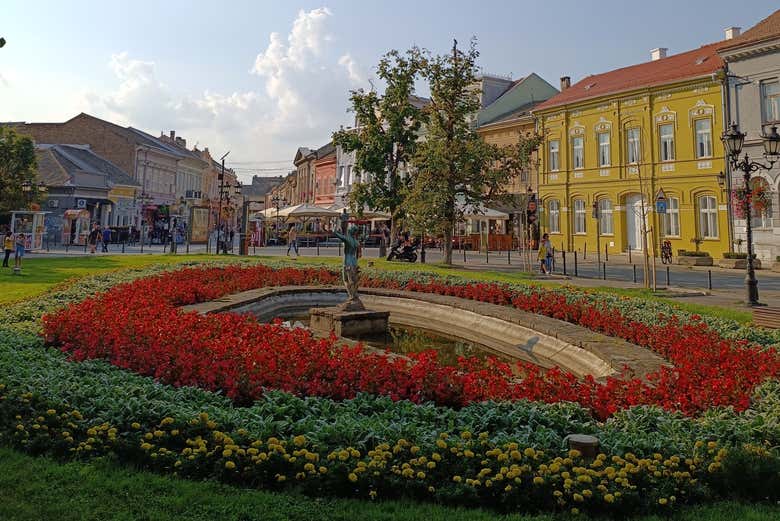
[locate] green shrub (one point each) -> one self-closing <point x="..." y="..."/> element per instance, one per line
<point x="734" y="255"/>
<point x="688" y="253"/>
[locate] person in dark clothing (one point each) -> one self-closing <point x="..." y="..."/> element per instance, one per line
<point x="94" y="237"/>
<point x="8" y="247"/>
<point x="106" y="238"/>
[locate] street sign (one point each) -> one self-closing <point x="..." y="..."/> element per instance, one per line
<point x="660" y="206"/>
<point x="661" y="195"/>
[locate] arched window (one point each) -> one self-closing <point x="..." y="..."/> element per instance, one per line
<point x="579" y="216"/>
<point x="708" y="217"/>
<point x="605" y="217"/>
<point x="554" y="216"/>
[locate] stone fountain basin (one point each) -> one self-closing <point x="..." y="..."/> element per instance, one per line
<point x="512" y="333"/>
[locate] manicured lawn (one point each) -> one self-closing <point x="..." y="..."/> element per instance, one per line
<point x="40" y="488"/>
<point x="40" y="274"/>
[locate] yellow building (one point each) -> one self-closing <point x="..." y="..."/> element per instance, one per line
<point x="614" y="142"/>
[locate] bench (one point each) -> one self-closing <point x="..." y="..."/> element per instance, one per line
<point x="766" y="317"/>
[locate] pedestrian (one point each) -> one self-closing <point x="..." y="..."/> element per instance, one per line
<point x="8" y="247"/>
<point x="106" y="238"/>
<point x="549" y="252"/>
<point x="292" y="240"/>
<point x="20" y="240"/>
<point x="542" y="257"/>
<point x="94" y="237"/>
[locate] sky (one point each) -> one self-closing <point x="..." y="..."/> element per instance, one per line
<point x="261" y="78"/>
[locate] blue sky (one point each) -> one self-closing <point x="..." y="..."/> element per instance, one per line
<point x="213" y="72"/>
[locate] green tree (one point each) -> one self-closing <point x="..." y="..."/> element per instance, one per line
<point x="454" y="168"/>
<point x="17" y="167"/>
<point x="385" y="137"/>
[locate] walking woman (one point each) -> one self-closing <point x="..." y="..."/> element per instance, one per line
<point x="20" y="240"/>
<point x="8" y="247"/>
<point x="292" y="240"/>
<point x="542" y="257"/>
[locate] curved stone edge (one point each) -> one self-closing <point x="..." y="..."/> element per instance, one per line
<point x="614" y="352"/>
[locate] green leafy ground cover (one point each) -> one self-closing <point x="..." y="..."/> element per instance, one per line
<point x="32" y="489"/>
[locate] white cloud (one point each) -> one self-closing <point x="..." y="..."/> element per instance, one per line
<point x="301" y="97"/>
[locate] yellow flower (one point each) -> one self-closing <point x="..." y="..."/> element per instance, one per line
<point x="609" y="498"/>
<point x="529" y="452"/>
<point x="299" y="441"/>
<point x="227" y="453"/>
<point x="323" y="470"/>
<point x="431" y="490"/>
<point x="575" y="511"/>
<point x="457" y="479"/>
<point x="421" y="475"/>
<point x="230" y="465"/>
<point x="372" y="494"/>
<point x="578" y="498"/>
<point x="135" y="425"/>
<point x="662" y="501"/>
<point x="352" y="477"/>
<point x="466" y="435"/>
<point x="538" y="480"/>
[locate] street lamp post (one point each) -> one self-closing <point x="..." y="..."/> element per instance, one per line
<point x="221" y="189"/>
<point x="733" y="140"/>
<point x="277" y="201"/>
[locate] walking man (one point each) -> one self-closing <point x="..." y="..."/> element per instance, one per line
<point x="20" y="240"/>
<point x="106" y="238"/>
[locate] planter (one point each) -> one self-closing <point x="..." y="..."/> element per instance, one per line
<point x="684" y="260"/>
<point x="738" y="264"/>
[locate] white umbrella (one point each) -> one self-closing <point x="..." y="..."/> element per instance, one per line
<point x="305" y="211"/>
<point x="367" y="212"/>
<point x="482" y="212"/>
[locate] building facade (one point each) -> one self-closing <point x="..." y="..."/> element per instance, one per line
<point x="325" y="176"/>
<point x="614" y="142"/>
<point x="753" y="102"/>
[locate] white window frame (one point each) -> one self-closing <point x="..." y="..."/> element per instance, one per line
<point x="606" y="217"/>
<point x="555" y="155"/>
<point x="666" y="153"/>
<point x="770" y="101"/>
<point x="703" y="138"/>
<point x="633" y="145"/>
<point x="580" y="227"/>
<point x="578" y="152"/>
<point x="605" y="151"/>
<point x="708" y="217"/>
<point x="672" y="218"/>
<point x="554" y="216"/>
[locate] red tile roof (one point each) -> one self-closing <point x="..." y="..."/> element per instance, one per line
<point x="692" y="64"/>
<point x="766" y="29"/>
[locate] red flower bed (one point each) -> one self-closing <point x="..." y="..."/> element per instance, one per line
<point x="137" y="326"/>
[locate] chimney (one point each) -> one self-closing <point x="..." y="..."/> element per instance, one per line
<point x="658" y="53"/>
<point x="181" y="142"/>
<point x="565" y="82"/>
<point x="173" y="135"/>
<point x="732" y="32"/>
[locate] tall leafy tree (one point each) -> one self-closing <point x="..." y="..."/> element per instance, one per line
<point x="17" y="166"/>
<point x="386" y="136"/>
<point x="454" y="168"/>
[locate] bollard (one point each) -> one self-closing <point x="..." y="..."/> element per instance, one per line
<point x="629" y="255"/>
<point x="318" y="248"/>
<point x="587" y="445"/>
<point x="585" y="251"/>
<point x="487" y="256"/>
<point x="575" y="265"/>
<point x="606" y="253"/>
<point x="709" y="280"/>
<point x="634" y="266"/>
<point x="604" y="271"/>
<point x="667" y="276"/>
<point x="563" y="256"/>
<point x="509" y="256"/>
<point x="123" y="246"/>
<point x="464" y="255"/>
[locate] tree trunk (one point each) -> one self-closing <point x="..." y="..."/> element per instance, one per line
<point x="448" y="243"/>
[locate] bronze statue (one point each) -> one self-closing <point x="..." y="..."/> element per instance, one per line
<point x="350" y="270"/>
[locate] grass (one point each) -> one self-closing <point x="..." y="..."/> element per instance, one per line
<point x="40" y="488"/>
<point x="40" y="274"/>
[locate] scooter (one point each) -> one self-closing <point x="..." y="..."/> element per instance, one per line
<point x="403" y="253"/>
